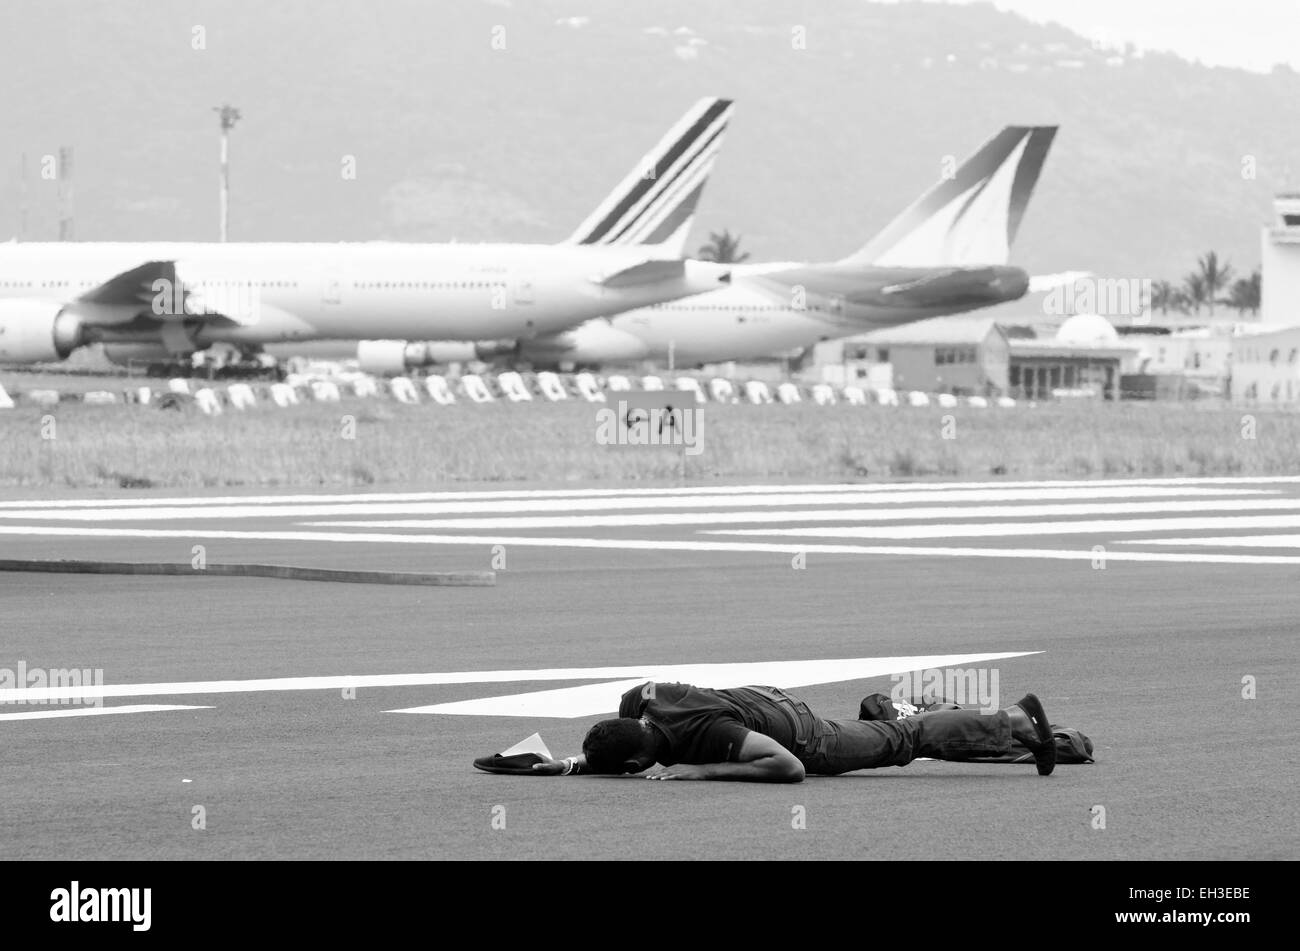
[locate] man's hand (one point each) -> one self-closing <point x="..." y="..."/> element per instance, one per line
<point x="569" y="766"/>
<point x="550" y="767"/>
<point x="680" y="771"/>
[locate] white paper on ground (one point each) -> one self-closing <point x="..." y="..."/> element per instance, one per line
<point x="533" y="744"/>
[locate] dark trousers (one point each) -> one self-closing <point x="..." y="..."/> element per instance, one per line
<point x="830" y="747"/>
<point x="846" y="745"/>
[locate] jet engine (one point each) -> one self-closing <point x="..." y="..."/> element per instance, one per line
<point x="391" y="357"/>
<point x="38" y="331"/>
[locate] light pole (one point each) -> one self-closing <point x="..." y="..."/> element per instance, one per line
<point x="229" y="116"/>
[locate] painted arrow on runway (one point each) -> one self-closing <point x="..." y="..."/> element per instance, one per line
<point x="585" y="700"/>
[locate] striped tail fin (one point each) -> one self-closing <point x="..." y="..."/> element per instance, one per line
<point x="655" y="203"/>
<point x="972" y="217"/>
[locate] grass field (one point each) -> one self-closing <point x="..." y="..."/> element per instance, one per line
<point x="133" y="446"/>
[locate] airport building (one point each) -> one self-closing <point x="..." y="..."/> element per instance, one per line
<point x="1280" y="265"/>
<point x="1044" y="369"/>
<point x="1086" y="357"/>
<point x="1266" y="367"/>
<point x="961" y="355"/>
<point x="967" y="355"/>
<point x="1182" y="364"/>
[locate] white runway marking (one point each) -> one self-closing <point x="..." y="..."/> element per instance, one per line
<point x="779" y="673"/>
<point x="896" y="497"/>
<point x="96" y="711"/>
<point x="354" y="497"/>
<point x="1003" y="529"/>
<point x="595" y="699"/>
<point x="763" y="519"/>
<point x="638" y="544"/>
<point x="1226" y="541"/>
<point x="821" y="515"/>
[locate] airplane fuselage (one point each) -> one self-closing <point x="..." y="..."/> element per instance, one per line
<point x="262" y="293"/>
<point x="766" y="313"/>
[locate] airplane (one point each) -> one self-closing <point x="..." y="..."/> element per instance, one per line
<point x="947" y="253"/>
<point x="157" y="302"/>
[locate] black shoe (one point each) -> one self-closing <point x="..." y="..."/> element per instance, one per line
<point x="877" y="707"/>
<point x="1045" y="749"/>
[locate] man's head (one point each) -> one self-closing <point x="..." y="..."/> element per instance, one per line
<point x="617" y="746"/>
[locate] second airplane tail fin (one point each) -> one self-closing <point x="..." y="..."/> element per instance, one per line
<point x="655" y="204"/>
<point x="971" y="217"/>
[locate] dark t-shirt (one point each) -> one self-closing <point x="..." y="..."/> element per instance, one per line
<point x="709" y="726"/>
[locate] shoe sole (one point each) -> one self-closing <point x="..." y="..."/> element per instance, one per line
<point x="1045" y="752"/>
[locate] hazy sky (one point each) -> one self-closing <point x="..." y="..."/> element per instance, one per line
<point x="1252" y="34"/>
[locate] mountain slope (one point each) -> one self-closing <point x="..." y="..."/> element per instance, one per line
<point x="455" y="139"/>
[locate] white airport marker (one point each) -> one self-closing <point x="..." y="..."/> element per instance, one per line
<point x="149" y="513"/>
<point x="796" y="673"/>
<point x="96" y="711"/>
<point x="594" y="699"/>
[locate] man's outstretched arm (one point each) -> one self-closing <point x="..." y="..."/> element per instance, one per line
<point x="761" y="760"/>
<point x="569" y="766"/>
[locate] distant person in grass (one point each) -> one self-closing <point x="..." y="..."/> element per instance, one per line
<point x="763" y="734"/>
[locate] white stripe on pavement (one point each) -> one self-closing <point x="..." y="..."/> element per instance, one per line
<point x="637" y="544"/>
<point x="1008" y="529"/>
<point x="94" y="711"/>
<point x="151" y="514"/>
<point x="595" y="699"/>
<point x="137" y="500"/>
<point x="821" y="515"/>
<point x="1227" y="541"/>
<point x="796" y="672"/>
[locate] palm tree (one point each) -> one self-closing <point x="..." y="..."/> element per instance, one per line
<point x="1194" y="292"/>
<point x="229" y="116"/>
<point x="1215" y="276"/>
<point x="723" y="248"/>
<point x="1245" y="294"/>
<point x="1162" y="296"/>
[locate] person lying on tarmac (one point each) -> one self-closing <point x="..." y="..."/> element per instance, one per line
<point x="763" y="734"/>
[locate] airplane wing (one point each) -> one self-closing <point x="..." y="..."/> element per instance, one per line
<point x="136" y="286"/>
<point x="162" y="287"/>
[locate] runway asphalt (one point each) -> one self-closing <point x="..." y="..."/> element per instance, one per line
<point x="1140" y="634"/>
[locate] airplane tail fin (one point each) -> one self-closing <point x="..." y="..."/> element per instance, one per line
<point x="971" y="217"/>
<point x="655" y="204"/>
